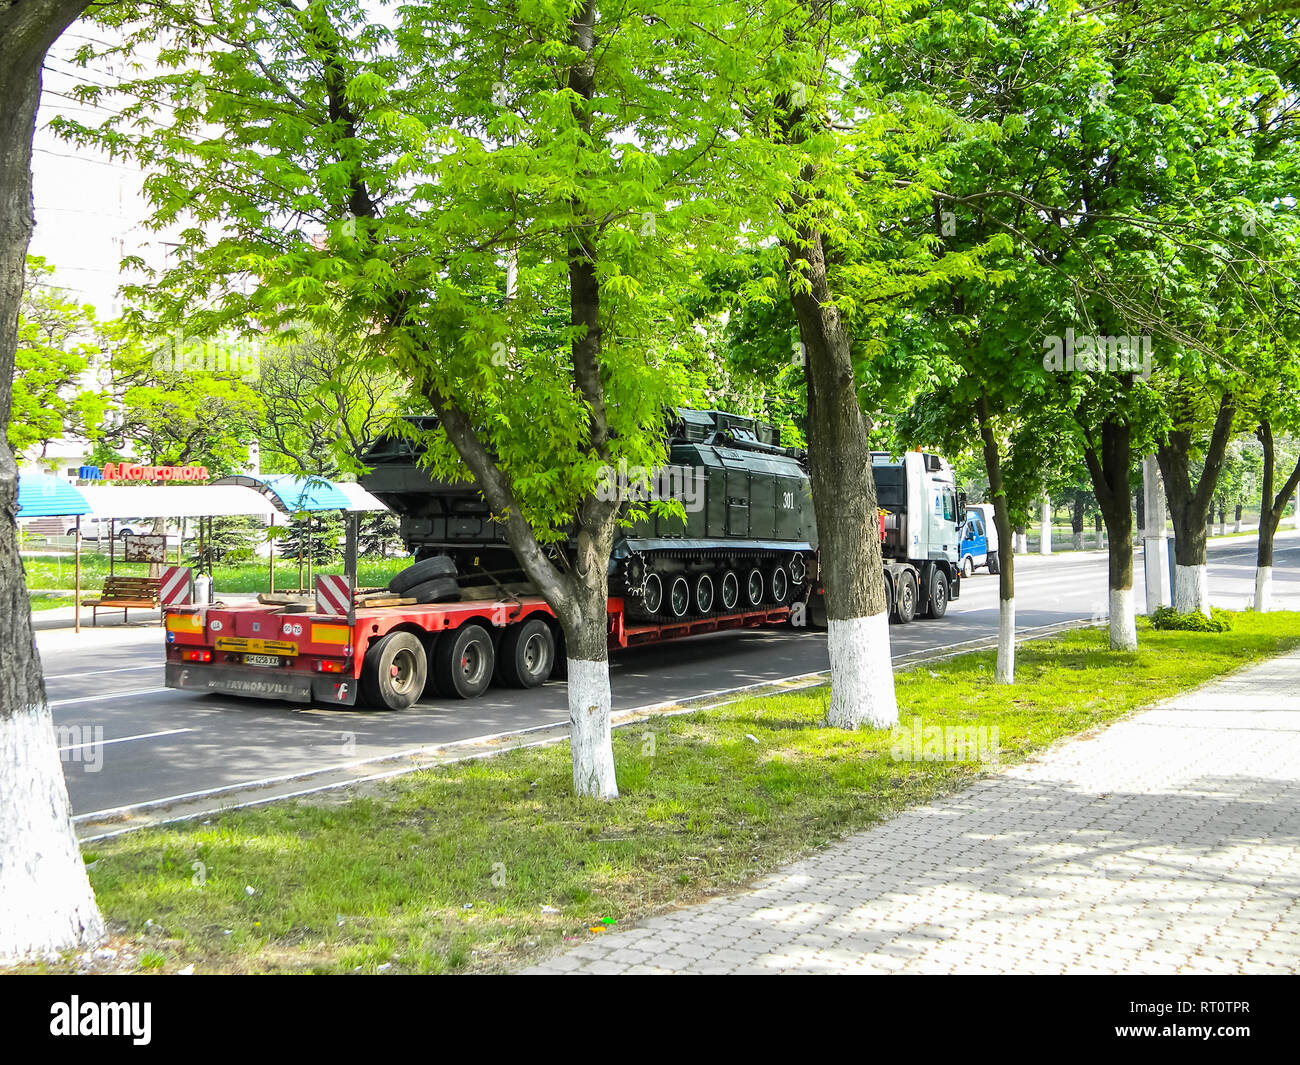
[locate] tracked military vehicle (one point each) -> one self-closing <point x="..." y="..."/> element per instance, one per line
<point x="747" y="538"/>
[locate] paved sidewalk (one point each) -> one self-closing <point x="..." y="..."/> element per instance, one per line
<point x="1167" y="843"/>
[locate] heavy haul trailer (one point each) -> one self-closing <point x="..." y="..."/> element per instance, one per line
<point x="387" y="655"/>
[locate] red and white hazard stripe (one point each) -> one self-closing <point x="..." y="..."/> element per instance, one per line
<point x="333" y="596"/>
<point x="176" y="587"/>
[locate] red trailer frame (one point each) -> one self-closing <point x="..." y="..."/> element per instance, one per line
<point x="271" y="652"/>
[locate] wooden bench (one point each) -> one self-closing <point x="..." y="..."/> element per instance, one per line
<point x="125" y="593"/>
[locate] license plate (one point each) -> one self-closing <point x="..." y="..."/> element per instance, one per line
<point x="261" y="660"/>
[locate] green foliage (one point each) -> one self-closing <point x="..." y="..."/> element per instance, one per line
<point x="1167" y="618"/>
<point x="314" y="537"/>
<point x="58" y="341"/>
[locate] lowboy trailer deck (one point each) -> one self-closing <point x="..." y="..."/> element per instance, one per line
<point x="387" y="656"/>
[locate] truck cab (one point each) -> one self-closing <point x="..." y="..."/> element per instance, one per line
<point x="979" y="540"/>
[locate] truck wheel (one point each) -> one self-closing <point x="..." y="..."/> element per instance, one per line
<point x="938" y="594"/>
<point x="703" y="593"/>
<point x="905" y="607"/>
<point x="526" y="655"/>
<point x="967" y="566"/>
<point x="754" y="587"/>
<point x="427" y="570"/>
<point x="464" y="663"/>
<point x="780" y="584"/>
<point x="394" y="671"/>
<point x="730" y="590"/>
<point x="679" y="598"/>
<point x="993" y="563"/>
<point x="438" y="590"/>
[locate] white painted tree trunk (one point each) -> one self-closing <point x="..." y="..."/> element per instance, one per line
<point x="1263" y="588"/>
<point x="1006" y="668"/>
<point x="862" y="673"/>
<point x="589" y="711"/>
<point x="1191" y="590"/>
<point x="1078" y="541"/>
<point x="1045" y="529"/>
<point x="1123" y="622"/>
<point x="1236" y="525"/>
<point x="1021" y="546"/>
<point x="46" y="904"/>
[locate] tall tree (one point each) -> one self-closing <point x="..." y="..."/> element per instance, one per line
<point x="46" y="904"/>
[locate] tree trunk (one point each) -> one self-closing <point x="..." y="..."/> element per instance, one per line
<point x="1190" y="507"/>
<point x="46" y="904"/>
<point x="1270" y="515"/>
<point x="844" y="501"/>
<point x="1076" y="522"/>
<point x="1109" y="471"/>
<point x="1006" y="665"/>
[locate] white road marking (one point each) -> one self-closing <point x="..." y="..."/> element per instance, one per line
<point x="125" y="739"/>
<point x="111" y="695"/>
<point x="101" y="672"/>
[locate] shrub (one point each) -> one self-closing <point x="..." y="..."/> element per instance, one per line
<point x="1166" y="617"/>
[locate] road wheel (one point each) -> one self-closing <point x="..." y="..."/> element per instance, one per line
<point x="780" y="584"/>
<point x="730" y="590"/>
<point x="905" y="608"/>
<point x="993" y="563"/>
<point x="438" y="590"/>
<point x="394" y="671"/>
<point x="679" y="597"/>
<point x="426" y="570"/>
<point x="703" y="593"/>
<point x="526" y="655"/>
<point x="967" y="566"/>
<point x="653" y="593"/>
<point x="464" y="662"/>
<point x="754" y="587"/>
<point x="938" y="594"/>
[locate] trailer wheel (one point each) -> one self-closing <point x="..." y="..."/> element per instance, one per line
<point x="730" y="590"/>
<point x="994" y="568"/>
<point x="780" y="583"/>
<point x="465" y="662"/>
<point x="938" y="594"/>
<point x="526" y="654"/>
<point x="394" y="671"/>
<point x="438" y="590"/>
<point x="424" y="570"/>
<point x="679" y="598"/>
<point x="754" y="587"/>
<point x="703" y="593"/>
<point x="889" y="595"/>
<point x="905" y="608"/>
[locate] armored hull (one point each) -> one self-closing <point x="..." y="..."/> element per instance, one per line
<point x="747" y="536"/>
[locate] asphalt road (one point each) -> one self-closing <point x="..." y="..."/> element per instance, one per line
<point x="128" y="740"/>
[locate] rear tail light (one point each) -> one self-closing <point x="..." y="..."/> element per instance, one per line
<point x="196" y="656"/>
<point x="326" y="666"/>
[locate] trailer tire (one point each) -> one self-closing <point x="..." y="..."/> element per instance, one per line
<point x="438" y="590"/>
<point x="422" y="572"/>
<point x="939" y="594"/>
<point x="994" y="567"/>
<point x="394" y="671"/>
<point x="905" y="607"/>
<point x="464" y="663"/>
<point x="526" y="654"/>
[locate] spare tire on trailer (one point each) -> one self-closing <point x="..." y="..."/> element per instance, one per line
<point x="438" y="590"/>
<point x="422" y="572"/>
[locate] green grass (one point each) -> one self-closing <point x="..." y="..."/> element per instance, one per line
<point x="46" y="601"/>
<point x="449" y="870"/>
<point x="51" y="572"/>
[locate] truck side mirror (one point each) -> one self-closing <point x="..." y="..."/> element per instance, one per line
<point x="961" y="507"/>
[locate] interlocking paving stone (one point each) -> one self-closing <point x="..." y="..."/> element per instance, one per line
<point x="1167" y="842"/>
